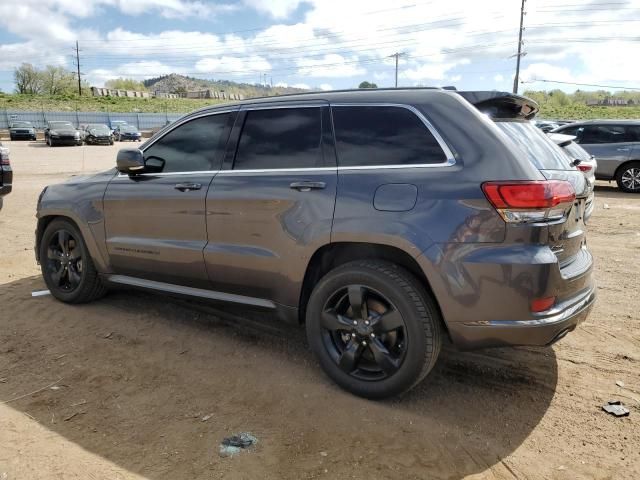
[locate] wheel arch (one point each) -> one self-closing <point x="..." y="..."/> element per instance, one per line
<point x="332" y="255"/>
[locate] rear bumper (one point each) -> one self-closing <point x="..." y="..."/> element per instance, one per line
<point x="543" y="329"/>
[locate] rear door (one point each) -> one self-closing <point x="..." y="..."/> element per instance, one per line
<point x="155" y="222"/>
<point x="608" y="143"/>
<point x="271" y="207"/>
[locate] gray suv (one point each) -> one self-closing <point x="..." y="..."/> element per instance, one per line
<point x="616" y="146"/>
<point x="385" y="221"/>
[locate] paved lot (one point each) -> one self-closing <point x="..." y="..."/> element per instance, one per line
<point x="146" y="387"/>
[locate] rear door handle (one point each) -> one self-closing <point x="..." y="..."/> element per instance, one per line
<point x="623" y="149"/>
<point x="307" y="186"/>
<point x="186" y="187"/>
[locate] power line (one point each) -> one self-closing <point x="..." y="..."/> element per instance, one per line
<point x="583" y="84"/>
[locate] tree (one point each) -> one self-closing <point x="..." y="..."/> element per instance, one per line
<point x="58" y="81"/>
<point x="366" y="84"/>
<point x="27" y="79"/>
<point x="125" y="84"/>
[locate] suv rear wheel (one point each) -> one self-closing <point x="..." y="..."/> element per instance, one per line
<point x="374" y="329"/>
<point x="66" y="265"/>
<point x="628" y="177"/>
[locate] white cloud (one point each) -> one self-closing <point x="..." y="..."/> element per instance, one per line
<point x="455" y="78"/>
<point x="498" y="78"/>
<point x="331" y="65"/>
<point x="301" y="85"/>
<point x="325" y="87"/>
<point x="274" y="8"/>
<point x="232" y="66"/>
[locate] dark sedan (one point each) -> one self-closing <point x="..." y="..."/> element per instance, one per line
<point x="98" y="134"/>
<point x="127" y="132"/>
<point x="22" y="131"/>
<point x="61" y="133"/>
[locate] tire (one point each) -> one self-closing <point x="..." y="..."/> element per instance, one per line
<point x="1" y="202"/>
<point x="79" y="282"/>
<point x="628" y="177"/>
<point x="373" y="359"/>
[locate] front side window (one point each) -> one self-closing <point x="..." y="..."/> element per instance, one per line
<point x="383" y="135"/>
<point x="633" y="133"/>
<point x="194" y="146"/>
<point x="280" y="138"/>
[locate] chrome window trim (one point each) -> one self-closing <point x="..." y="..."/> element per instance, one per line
<point x="281" y="105"/>
<point x="450" y="158"/>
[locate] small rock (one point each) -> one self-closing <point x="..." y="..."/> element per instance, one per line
<point x="620" y="383"/>
<point x="605" y="206"/>
<point x="323" y="454"/>
<point x="206" y="417"/>
<point x="55" y="387"/>
<point x="562" y="467"/>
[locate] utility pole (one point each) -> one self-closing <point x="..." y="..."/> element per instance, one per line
<point x="78" y="65"/>
<point x="397" y="55"/>
<point x="519" y="54"/>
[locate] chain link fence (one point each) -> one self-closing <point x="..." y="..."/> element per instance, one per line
<point x="143" y="121"/>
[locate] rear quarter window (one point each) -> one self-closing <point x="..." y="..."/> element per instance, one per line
<point x="535" y="145"/>
<point x="383" y="135"/>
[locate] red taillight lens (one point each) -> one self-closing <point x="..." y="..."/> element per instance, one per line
<point x="529" y="195"/>
<point x="542" y="304"/>
<point x="5" y="161"/>
<point x="585" y="168"/>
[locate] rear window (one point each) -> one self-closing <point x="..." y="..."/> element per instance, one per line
<point x="537" y="147"/>
<point x="576" y="152"/>
<point x="381" y="135"/>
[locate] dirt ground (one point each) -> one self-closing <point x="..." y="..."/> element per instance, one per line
<point x="144" y="386"/>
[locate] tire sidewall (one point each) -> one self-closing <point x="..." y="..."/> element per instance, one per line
<point x="51" y="229"/>
<point x="417" y="343"/>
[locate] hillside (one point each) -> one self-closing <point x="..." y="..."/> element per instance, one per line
<point x="175" y="83"/>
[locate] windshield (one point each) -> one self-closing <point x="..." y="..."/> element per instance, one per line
<point x="60" y="125"/>
<point x="99" y="129"/>
<point x="21" y="125"/>
<point x="535" y="144"/>
<point x="128" y="129"/>
<point x="116" y="123"/>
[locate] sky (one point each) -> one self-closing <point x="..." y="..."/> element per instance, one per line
<point x="330" y="44"/>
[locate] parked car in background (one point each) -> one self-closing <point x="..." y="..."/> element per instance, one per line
<point x="6" y="174"/>
<point x="115" y="124"/>
<point x="583" y="160"/>
<point x="22" y="131"/>
<point x="97" y="134"/>
<point x="546" y="125"/>
<point x="384" y="220"/>
<point x="616" y="146"/>
<point x="127" y="132"/>
<point x="61" y="133"/>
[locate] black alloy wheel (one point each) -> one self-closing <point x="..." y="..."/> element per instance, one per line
<point x="64" y="264"/>
<point x="364" y="333"/>
<point x="374" y="328"/>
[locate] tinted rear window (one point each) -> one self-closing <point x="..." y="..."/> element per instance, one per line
<point x="374" y="136"/>
<point x="536" y="146"/>
<point x="576" y="152"/>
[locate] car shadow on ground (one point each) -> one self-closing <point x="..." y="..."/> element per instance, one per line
<point x="603" y="190"/>
<point x="153" y="384"/>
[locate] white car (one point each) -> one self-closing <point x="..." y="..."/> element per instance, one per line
<point x="583" y="160"/>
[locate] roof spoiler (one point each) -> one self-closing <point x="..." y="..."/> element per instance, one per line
<point x="501" y="104"/>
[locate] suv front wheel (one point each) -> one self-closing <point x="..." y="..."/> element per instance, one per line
<point x="66" y="265"/>
<point x="374" y="329"/>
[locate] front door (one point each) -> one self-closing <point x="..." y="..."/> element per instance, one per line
<point x="271" y="207"/>
<point x="609" y="144"/>
<point x="155" y="221"/>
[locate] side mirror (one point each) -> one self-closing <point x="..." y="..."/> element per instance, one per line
<point x="130" y="161"/>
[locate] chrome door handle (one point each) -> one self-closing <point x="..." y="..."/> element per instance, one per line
<point x="187" y="187"/>
<point x="623" y="149"/>
<point x="307" y="186"/>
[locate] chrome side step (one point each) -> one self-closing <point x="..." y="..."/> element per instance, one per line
<point x="189" y="291"/>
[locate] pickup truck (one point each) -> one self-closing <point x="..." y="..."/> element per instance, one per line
<point x="6" y="174"/>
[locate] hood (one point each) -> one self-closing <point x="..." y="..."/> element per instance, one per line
<point x="21" y="128"/>
<point x="99" y="133"/>
<point x="94" y="177"/>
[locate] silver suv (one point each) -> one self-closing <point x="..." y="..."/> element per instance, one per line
<point x="616" y="146"/>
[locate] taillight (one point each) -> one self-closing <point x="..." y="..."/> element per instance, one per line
<point x="542" y="304"/>
<point x="530" y="201"/>
<point x="585" y="168"/>
<point x="4" y="156"/>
